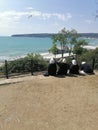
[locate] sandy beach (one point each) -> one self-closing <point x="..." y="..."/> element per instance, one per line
<point x="49" y="103"/>
<point x="48" y="56"/>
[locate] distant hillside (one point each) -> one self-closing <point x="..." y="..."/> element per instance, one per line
<point x="91" y="35"/>
<point x="87" y="35"/>
<point x="33" y="35"/>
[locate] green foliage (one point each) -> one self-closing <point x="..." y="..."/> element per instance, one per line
<point x="23" y="65"/>
<point x="81" y="42"/>
<point x="78" y="47"/>
<point x="89" y="57"/>
<point x="61" y="38"/>
<point x="70" y="40"/>
<point x="95" y="56"/>
<point x="66" y="39"/>
<point x="78" y="50"/>
<point x="53" y="49"/>
<point x="1" y="70"/>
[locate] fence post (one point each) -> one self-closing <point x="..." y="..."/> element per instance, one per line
<point x="6" y="69"/>
<point x="93" y="63"/>
<point x="31" y="67"/>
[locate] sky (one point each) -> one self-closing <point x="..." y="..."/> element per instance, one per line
<point x="47" y="16"/>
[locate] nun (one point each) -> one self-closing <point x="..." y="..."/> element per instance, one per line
<point x="74" y="67"/>
<point x="52" y="68"/>
<point x="62" y="67"/>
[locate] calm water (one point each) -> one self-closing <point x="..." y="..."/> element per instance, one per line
<point x="11" y="47"/>
<point x="14" y="47"/>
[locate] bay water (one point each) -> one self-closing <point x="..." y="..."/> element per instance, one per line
<point x="15" y="47"/>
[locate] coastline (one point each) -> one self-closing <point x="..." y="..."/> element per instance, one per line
<point x="89" y="47"/>
<point x="1" y="64"/>
<point x="48" y="56"/>
<point x="13" y="48"/>
<point x="45" y="55"/>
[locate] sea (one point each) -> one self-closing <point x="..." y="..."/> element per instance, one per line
<point x="12" y="48"/>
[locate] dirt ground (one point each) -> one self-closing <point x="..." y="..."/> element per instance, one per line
<point x="49" y="103"/>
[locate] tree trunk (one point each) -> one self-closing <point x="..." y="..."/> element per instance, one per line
<point x="62" y="50"/>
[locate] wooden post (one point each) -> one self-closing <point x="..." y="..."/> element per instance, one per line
<point x="6" y="69"/>
<point x="31" y="67"/>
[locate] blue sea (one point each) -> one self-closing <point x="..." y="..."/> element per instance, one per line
<point x="15" y="47"/>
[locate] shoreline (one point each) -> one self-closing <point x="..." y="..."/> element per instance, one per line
<point x="45" y="55"/>
<point x="48" y="56"/>
<point x="1" y="64"/>
<point x="89" y="47"/>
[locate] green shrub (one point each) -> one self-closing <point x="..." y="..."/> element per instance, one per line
<point x="23" y="65"/>
<point x="89" y="57"/>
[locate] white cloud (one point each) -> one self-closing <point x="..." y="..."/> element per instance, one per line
<point x="69" y="15"/>
<point x="14" y="15"/>
<point x="12" y="20"/>
<point x="35" y="13"/>
<point x="45" y="16"/>
<point x="89" y="21"/>
<point x="10" y="16"/>
<point x="59" y="16"/>
<point x="29" y="8"/>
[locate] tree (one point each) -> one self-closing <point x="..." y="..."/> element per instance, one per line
<point x="72" y="40"/>
<point x="61" y="38"/>
<point x="78" y="47"/>
<point x="95" y="58"/>
<point x="66" y="39"/>
<point x="53" y="49"/>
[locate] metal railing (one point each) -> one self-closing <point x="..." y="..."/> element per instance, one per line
<point x="28" y="67"/>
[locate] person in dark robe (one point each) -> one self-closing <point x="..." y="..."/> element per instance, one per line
<point x="62" y="67"/>
<point x="74" y="67"/>
<point x="85" y="68"/>
<point x="52" y="68"/>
